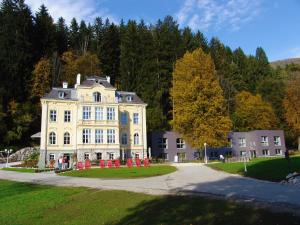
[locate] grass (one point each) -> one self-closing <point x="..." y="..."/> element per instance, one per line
<point x="21" y="170"/>
<point x="272" y="169"/>
<point x="23" y="203"/>
<point x="123" y="172"/>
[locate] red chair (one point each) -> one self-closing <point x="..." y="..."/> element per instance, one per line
<point x="129" y="163"/>
<point x="109" y="164"/>
<point x="87" y="164"/>
<point x="102" y="163"/>
<point x="117" y="163"/>
<point x="79" y="165"/>
<point x="146" y="162"/>
<point x="137" y="162"/>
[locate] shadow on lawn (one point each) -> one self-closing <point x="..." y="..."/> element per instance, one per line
<point x="196" y="210"/>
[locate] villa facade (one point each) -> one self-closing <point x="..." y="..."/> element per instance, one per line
<point x="92" y="121"/>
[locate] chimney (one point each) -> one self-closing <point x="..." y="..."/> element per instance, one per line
<point x="108" y="79"/>
<point x="65" y="84"/>
<point x="77" y="80"/>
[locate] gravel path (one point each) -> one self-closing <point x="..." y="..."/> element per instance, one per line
<point x="190" y="178"/>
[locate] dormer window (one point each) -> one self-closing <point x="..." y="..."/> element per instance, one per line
<point x="97" y="97"/>
<point x="130" y="98"/>
<point x="61" y="94"/>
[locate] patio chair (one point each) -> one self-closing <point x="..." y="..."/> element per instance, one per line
<point x="87" y="164"/>
<point x="79" y="165"/>
<point x="102" y="163"/>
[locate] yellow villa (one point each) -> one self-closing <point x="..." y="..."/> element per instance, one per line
<point x="92" y="121"/>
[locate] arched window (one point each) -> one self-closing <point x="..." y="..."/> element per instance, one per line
<point x="97" y="97"/>
<point x="52" y="138"/>
<point x="124" y="139"/>
<point x="136" y="139"/>
<point x="66" y="138"/>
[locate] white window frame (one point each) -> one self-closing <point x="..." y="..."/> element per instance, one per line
<point x="97" y="97"/>
<point x="98" y="113"/>
<point x="277" y="141"/>
<point x="111" y="156"/>
<point x="136" y="139"/>
<point x="110" y="113"/>
<point x="278" y="150"/>
<point x="67" y="116"/>
<point x="162" y="143"/>
<point x="267" y="151"/>
<point x="99" y="136"/>
<point x="67" y="138"/>
<point x="53" y="115"/>
<point x="87" y="156"/>
<point x="135" y="118"/>
<point x="86" y="112"/>
<point x="129" y="98"/>
<point x="111" y="136"/>
<point x="61" y="94"/>
<point x="242" y="142"/>
<point x="264" y="140"/>
<point x="51" y="156"/>
<point x="124" y="139"/>
<point x="99" y="153"/>
<point x="86" y="136"/>
<point x="124" y="118"/>
<point x="52" y="138"/>
<point x="180" y="143"/>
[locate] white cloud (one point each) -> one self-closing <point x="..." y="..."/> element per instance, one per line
<point x="218" y="14"/>
<point x="86" y="10"/>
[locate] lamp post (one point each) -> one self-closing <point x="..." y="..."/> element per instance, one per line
<point x="7" y="151"/>
<point x="205" y="156"/>
<point x="245" y="163"/>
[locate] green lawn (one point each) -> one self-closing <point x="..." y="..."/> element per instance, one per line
<point x="273" y="169"/>
<point x="123" y="172"/>
<point x="23" y="203"/>
<point x="22" y="170"/>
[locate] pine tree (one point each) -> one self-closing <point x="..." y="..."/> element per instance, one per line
<point x="61" y="36"/>
<point x="74" y="36"/>
<point x="199" y="106"/>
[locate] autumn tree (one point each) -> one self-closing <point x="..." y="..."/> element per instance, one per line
<point x="291" y="105"/>
<point x="252" y="113"/>
<point x="198" y="102"/>
<point x="41" y="79"/>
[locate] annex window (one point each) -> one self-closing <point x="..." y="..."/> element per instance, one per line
<point x="124" y="139"/>
<point x="98" y="136"/>
<point x="86" y="156"/>
<point x="99" y="155"/>
<point x="265" y="152"/>
<point x="163" y="143"/>
<point x="67" y="116"/>
<point x="129" y="98"/>
<point x="86" y="113"/>
<point x="67" y="138"/>
<point x="135" y="118"/>
<point x="180" y="143"/>
<point x="52" y="138"/>
<point x="110" y="136"/>
<point x="264" y="141"/>
<point x="86" y="136"/>
<point x="97" y="97"/>
<point x="124" y="118"/>
<point x="51" y="157"/>
<point x="110" y="113"/>
<point x="278" y="151"/>
<point x="136" y="139"/>
<point x="99" y="113"/>
<point x="277" y="141"/>
<point x="53" y="115"/>
<point x="242" y="142"/>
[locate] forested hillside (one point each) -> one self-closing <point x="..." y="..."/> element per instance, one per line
<point x="38" y="53"/>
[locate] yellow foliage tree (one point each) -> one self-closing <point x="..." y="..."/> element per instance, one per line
<point x="252" y="113"/>
<point x="198" y="104"/>
<point x="41" y="78"/>
<point x="87" y="65"/>
<point x="291" y="105"/>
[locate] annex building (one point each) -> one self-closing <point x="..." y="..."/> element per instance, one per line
<point x="92" y="121"/>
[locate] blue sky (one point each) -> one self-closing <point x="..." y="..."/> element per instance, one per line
<point x="271" y="24"/>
